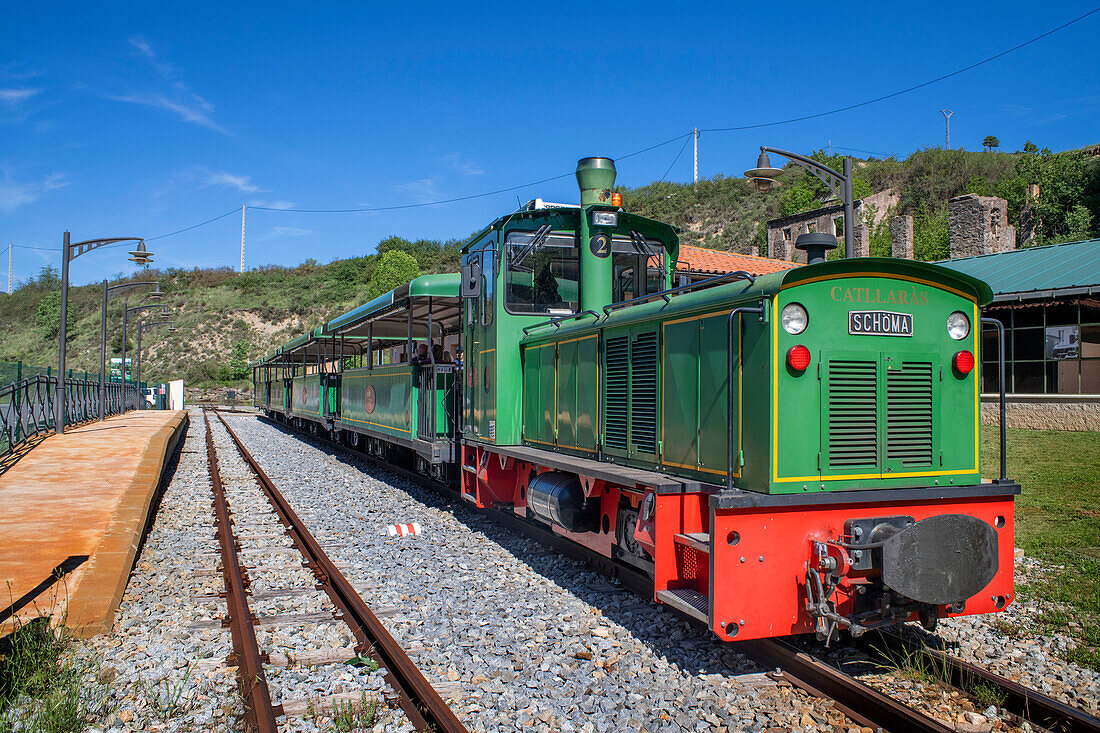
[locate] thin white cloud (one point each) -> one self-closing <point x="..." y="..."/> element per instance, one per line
<point x="13" y="97"/>
<point x="176" y="97"/>
<point x="461" y="164"/>
<point x="14" y="194"/>
<point x="277" y="232"/>
<point x="424" y="189"/>
<point x="142" y="48"/>
<point x="189" y="106"/>
<point x="264" y="204"/>
<point x="243" y="184"/>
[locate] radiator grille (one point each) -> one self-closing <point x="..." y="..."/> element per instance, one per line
<point x="616" y="359"/>
<point x="853" y="417"/>
<point x="643" y="393"/>
<point x="909" y="414"/>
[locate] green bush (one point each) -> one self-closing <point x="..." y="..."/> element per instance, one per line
<point x="394" y="268"/>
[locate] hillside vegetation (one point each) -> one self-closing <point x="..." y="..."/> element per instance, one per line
<point x="727" y="213"/>
<point x="225" y="319"/>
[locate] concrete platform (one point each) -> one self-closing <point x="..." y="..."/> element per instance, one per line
<point x="81" y="501"/>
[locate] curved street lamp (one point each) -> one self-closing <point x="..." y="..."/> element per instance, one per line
<point x="70" y="251"/>
<point x="108" y="293"/>
<point x="164" y="320"/>
<point x="762" y="177"/>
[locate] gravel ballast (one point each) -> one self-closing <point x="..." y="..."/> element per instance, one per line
<point x="512" y="634"/>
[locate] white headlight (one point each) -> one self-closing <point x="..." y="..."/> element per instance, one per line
<point x="605" y="218"/>
<point x="794" y="318"/>
<point x="958" y="326"/>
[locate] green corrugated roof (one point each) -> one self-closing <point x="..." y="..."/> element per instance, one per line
<point x="1036" y="271"/>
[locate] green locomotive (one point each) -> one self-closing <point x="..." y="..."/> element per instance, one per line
<point x="791" y="453"/>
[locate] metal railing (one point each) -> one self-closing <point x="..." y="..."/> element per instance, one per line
<point x="26" y="406"/>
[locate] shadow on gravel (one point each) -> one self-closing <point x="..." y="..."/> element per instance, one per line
<point x="681" y="642"/>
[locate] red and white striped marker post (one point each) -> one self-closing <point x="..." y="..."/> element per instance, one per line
<point x="403" y="530"/>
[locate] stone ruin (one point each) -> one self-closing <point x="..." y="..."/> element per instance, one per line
<point x="978" y="225"/>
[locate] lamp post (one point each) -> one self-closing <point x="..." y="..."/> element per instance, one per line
<point x="70" y="251"/>
<point x="125" y="328"/>
<point x="763" y="177"/>
<point x="164" y="320"/>
<point x="108" y="293"/>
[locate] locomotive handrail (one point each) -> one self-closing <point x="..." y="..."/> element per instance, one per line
<point x="556" y="322"/>
<point x="1001" y="385"/>
<point x="759" y="309"/>
<point x="666" y="294"/>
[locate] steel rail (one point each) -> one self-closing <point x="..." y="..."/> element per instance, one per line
<point x="259" y="712"/>
<point x="1034" y="707"/>
<point x="424" y="707"/>
<point x="861" y="703"/>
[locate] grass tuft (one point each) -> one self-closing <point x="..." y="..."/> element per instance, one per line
<point x="354" y="716"/>
<point x="45" y="684"/>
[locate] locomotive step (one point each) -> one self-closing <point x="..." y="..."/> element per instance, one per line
<point x="686" y="600"/>
<point x="696" y="540"/>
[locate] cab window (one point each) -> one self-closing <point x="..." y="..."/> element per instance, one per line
<point x="542" y="273"/>
<point x="637" y="267"/>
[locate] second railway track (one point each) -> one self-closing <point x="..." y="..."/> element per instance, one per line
<point x="422" y="705"/>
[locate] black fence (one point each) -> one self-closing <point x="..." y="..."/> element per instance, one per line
<point x="27" y="405"/>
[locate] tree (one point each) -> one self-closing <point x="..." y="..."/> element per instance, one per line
<point x="991" y="142"/>
<point x="238" y="361"/>
<point x="48" y="279"/>
<point x="1078" y="223"/>
<point x="48" y="318"/>
<point x="394" y="268"/>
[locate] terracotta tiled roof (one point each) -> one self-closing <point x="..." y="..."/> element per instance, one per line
<point x="699" y="259"/>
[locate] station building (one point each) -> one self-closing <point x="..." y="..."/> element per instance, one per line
<point x="1048" y="299"/>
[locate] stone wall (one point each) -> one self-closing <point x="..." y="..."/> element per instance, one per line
<point x="978" y="225"/>
<point x="783" y="232"/>
<point x="901" y="237"/>
<point x="1044" y="412"/>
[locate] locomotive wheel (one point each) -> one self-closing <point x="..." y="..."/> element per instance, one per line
<point x="625" y="523"/>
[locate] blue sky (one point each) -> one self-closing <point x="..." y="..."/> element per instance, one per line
<point x="142" y="119"/>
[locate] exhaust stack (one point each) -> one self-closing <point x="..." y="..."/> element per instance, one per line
<point x="596" y="177"/>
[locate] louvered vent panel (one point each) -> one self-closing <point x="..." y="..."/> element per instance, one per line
<point x="643" y="393"/>
<point x="617" y="360"/>
<point x="909" y="414"/>
<point x="853" y="425"/>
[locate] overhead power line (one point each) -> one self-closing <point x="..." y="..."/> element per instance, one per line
<point x="682" y="148"/>
<point x="397" y="207"/>
<point x="913" y="88"/>
<point x="754" y="126"/>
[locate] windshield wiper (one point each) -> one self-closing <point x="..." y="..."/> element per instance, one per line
<point x="540" y="236"/>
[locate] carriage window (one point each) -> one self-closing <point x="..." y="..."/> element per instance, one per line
<point x="543" y="274"/>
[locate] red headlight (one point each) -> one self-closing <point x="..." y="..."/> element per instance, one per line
<point x="964" y="362"/>
<point x="798" y="358"/>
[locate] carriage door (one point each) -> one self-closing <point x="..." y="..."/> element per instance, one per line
<point x="425" y="377"/>
<point x="479" y="357"/>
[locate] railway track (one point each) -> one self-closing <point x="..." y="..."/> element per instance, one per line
<point x="423" y="706"/>
<point x="858" y="701"/>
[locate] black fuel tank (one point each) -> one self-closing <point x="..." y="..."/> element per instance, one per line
<point x="558" y="498"/>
